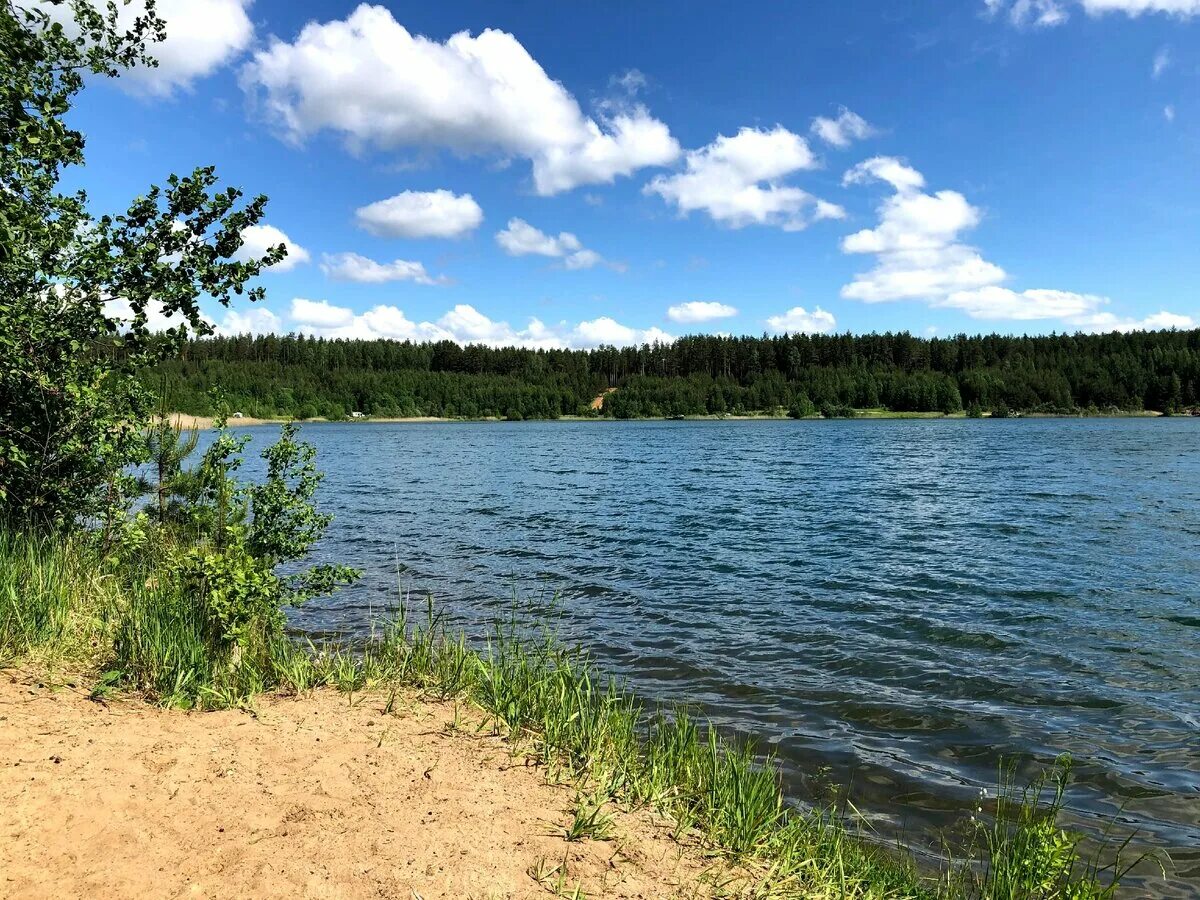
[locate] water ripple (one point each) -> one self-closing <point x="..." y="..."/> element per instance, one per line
<point x="905" y="601"/>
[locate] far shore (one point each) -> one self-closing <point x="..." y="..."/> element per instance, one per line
<point x="187" y="421"/>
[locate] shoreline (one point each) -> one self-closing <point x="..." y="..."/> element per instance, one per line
<point x="187" y="421"/>
<point x="310" y="770"/>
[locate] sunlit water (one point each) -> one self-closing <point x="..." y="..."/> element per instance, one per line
<point x="903" y="602"/>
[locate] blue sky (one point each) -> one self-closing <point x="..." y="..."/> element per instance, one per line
<point x="568" y="174"/>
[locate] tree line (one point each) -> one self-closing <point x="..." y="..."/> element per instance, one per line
<point x="307" y="377"/>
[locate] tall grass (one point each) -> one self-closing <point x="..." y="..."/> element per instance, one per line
<point x="142" y="632"/>
<point x="56" y="599"/>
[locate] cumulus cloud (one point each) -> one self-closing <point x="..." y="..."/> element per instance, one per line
<point x="355" y="267"/>
<point x="465" y="325"/>
<point x="996" y="302"/>
<point x="253" y="320"/>
<point x="916" y="243"/>
<point x="202" y="36"/>
<point x="842" y="131"/>
<point x="1163" y="319"/>
<point x="1046" y="13"/>
<point x="371" y="80"/>
<point x="320" y="313"/>
<point x="738" y="181"/>
<point x="1169" y="112"/>
<point x="1081" y="311"/>
<point x="421" y="214"/>
<point x="700" y="311"/>
<point x="799" y="320"/>
<point x="258" y="239"/>
<point x="919" y="255"/>
<point x="519" y="238"/>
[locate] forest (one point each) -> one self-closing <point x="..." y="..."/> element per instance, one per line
<point x="800" y="375"/>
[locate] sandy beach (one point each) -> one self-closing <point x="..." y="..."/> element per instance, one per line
<point x="322" y="796"/>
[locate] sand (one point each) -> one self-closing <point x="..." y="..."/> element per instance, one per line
<point x="203" y="423"/>
<point x="311" y="797"/>
<point x="598" y="403"/>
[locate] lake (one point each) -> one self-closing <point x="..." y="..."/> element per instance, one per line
<point x="894" y="605"/>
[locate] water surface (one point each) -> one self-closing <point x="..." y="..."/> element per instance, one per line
<point x="904" y="602"/>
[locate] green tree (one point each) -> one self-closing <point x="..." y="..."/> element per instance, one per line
<point x="801" y="407"/>
<point x="168" y="447"/>
<point x="243" y="534"/>
<point x="77" y="291"/>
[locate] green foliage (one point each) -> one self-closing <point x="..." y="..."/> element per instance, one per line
<point x="802" y="407"/>
<point x="1024" y="854"/>
<point x="590" y="821"/>
<point x="37" y="591"/>
<point x="242" y="534"/>
<point x="837" y="411"/>
<point x="167" y="448"/>
<point x="285" y="525"/>
<point x="77" y="290"/>
<point x="302" y="377"/>
<point x="239" y="593"/>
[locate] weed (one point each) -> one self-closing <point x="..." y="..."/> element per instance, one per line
<point x="590" y="821"/>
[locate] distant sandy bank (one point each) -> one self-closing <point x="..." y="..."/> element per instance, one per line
<point x="186" y="421"/>
<point x="307" y="797"/>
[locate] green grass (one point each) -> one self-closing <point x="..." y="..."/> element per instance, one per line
<point x="62" y="602"/>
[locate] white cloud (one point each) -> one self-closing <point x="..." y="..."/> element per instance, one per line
<point x="919" y="255"/>
<point x="522" y="239"/>
<point x="519" y="238"/>
<point x="799" y="320"/>
<point x="1169" y="112"/>
<point x="895" y="172"/>
<point x="1181" y="8"/>
<point x="1079" y="311"/>
<point x="916" y="244"/>
<point x="1039" y="13"/>
<point x="320" y="313"/>
<point x="258" y="239"/>
<point x="634" y="140"/>
<point x="421" y="214"/>
<point x="202" y="36"/>
<point x="354" y="267"/>
<point x="1162" y="62"/>
<point x="700" y="311"/>
<point x="842" y="131"/>
<point x="370" y="79"/>
<point x="584" y="259"/>
<point x="1046" y="13"/>
<point x="606" y="330"/>
<point x="255" y="320"/>
<point x="1164" y="319"/>
<point x="996" y="302"/>
<point x="738" y="181"/>
<point x="631" y="81"/>
<point x="465" y="325"/>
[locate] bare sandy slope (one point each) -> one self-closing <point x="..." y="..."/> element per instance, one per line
<point x="311" y="797"/>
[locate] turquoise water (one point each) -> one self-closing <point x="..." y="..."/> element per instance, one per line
<point x="903" y="602"/>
